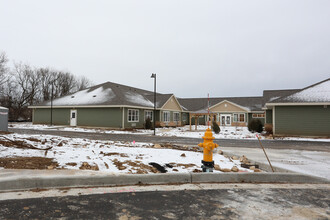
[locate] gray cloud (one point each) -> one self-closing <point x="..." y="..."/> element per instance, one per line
<point x="225" y="48"/>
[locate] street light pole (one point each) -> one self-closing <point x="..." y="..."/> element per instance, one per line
<point x="154" y="116"/>
<point x="51" y="106"/>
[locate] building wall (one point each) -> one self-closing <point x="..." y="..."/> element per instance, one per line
<point x="302" y="120"/>
<point x="61" y="116"/>
<point x="269" y="117"/>
<point x="99" y="117"/>
<point x="226" y="107"/>
<point x="250" y="118"/>
<point x="139" y="124"/>
<point x="172" y="104"/>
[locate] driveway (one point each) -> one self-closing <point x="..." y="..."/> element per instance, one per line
<point x="273" y="144"/>
<point x="217" y="201"/>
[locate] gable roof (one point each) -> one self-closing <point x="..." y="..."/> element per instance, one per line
<point x="316" y="93"/>
<point x="271" y="95"/>
<point x="110" y="93"/>
<point x="197" y="104"/>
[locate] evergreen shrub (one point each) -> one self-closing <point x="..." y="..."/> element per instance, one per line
<point x="255" y="125"/>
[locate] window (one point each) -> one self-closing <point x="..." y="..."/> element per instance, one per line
<point x="148" y="114"/>
<point x="239" y="117"/>
<point x="166" y="116"/>
<point x="133" y="115"/>
<point x="258" y="115"/>
<point x="176" y="116"/>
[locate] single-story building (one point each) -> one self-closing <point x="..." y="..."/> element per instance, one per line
<point x="228" y="111"/>
<point x="305" y="112"/>
<point x="290" y="112"/>
<point x="109" y="105"/>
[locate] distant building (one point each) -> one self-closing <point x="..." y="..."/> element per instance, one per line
<point x="3" y="119"/>
<point x="111" y="105"/>
<point x="304" y="112"/>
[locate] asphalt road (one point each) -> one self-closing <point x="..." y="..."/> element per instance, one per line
<point x="274" y="144"/>
<point x="230" y="203"/>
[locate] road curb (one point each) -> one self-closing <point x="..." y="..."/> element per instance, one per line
<point x="62" y="181"/>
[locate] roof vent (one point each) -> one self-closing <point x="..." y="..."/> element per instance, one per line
<point x="94" y="95"/>
<point x="72" y="96"/>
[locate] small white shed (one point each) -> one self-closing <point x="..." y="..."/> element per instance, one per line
<point x="3" y="119"/>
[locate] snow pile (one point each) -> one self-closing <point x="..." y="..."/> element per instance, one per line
<point x="227" y="132"/>
<point x="138" y="99"/>
<point x="318" y="93"/>
<point x="115" y="157"/>
<point x="85" y="97"/>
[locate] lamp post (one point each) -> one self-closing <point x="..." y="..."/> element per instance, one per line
<point x="51" y="105"/>
<point x="154" y="116"/>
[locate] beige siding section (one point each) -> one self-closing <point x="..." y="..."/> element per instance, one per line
<point x="226" y="107"/>
<point x="172" y="104"/>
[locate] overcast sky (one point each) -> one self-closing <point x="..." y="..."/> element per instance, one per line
<point x="224" y="48"/>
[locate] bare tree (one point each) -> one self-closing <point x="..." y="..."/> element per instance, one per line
<point x="3" y="68"/>
<point x="83" y="83"/>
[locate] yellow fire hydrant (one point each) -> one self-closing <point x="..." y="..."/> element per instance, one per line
<point x="208" y="146"/>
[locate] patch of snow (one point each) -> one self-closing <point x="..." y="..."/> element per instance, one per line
<point x="72" y="153"/>
<point x="227" y="132"/>
<point x="84" y="97"/>
<point x="318" y="93"/>
<point x="273" y="98"/>
<point x="138" y="99"/>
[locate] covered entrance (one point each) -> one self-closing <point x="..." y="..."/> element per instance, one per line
<point x="225" y="119"/>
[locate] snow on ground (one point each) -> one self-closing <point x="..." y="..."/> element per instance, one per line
<point x="308" y="162"/>
<point x="115" y="157"/>
<point x="227" y="132"/>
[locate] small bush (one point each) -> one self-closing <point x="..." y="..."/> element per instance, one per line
<point x="215" y="127"/>
<point x="255" y="125"/>
<point x="148" y="124"/>
<point x="269" y="128"/>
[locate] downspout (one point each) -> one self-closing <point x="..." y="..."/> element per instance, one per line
<point x="123" y="119"/>
<point x="273" y="120"/>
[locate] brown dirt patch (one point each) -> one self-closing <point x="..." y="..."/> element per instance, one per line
<point x="186" y="165"/>
<point x="113" y="153"/>
<point x="86" y="166"/>
<point x="40" y="163"/>
<point x="136" y="167"/>
<point x="34" y="139"/>
<point x="71" y="164"/>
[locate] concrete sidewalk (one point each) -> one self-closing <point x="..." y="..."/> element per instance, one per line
<point x="32" y="179"/>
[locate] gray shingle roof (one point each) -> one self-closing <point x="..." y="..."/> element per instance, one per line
<point x="110" y="93"/>
<point x="197" y="104"/>
<point x="316" y="93"/>
<point x="271" y="95"/>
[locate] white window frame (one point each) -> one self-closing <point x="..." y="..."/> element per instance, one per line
<point x="168" y="116"/>
<point x="178" y="116"/>
<point x="146" y="116"/>
<point x="237" y="117"/>
<point x="258" y="115"/>
<point x="133" y="119"/>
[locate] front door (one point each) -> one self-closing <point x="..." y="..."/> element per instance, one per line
<point x="73" y="118"/>
<point x="225" y="120"/>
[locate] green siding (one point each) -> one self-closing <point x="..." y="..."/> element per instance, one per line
<point x="99" y="117"/>
<point x="185" y="118"/>
<point x="250" y="118"/>
<point x="269" y="117"/>
<point x="139" y="124"/>
<point x="61" y="116"/>
<point x="302" y="120"/>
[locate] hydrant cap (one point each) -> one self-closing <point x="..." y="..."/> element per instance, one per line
<point x="208" y="134"/>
